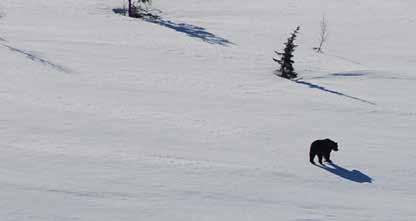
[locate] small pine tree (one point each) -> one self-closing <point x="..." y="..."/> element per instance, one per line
<point x="136" y="10"/>
<point x="285" y="61"/>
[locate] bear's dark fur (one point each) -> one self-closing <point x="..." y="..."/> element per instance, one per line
<point x="322" y="148"/>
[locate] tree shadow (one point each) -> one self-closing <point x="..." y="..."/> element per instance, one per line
<point x="352" y="175"/>
<point x="342" y="74"/>
<point x="315" y="86"/>
<point x="188" y="29"/>
<point x="347" y="74"/>
<point x="121" y="11"/>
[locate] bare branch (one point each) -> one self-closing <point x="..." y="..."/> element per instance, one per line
<point x="323" y="34"/>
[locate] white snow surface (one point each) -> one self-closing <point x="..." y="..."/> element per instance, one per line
<point x="106" y="117"/>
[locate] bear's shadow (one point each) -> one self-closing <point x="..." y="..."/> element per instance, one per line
<point x="352" y="175"/>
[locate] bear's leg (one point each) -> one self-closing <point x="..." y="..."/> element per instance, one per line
<point x="327" y="157"/>
<point x="311" y="157"/>
<point x="320" y="158"/>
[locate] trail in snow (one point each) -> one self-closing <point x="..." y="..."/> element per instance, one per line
<point x="36" y="58"/>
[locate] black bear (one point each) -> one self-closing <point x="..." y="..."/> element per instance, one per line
<point x="322" y="148"/>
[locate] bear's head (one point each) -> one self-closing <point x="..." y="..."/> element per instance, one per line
<point x="335" y="147"/>
<point x="332" y="144"/>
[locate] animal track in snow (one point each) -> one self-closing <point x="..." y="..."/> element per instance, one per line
<point x="36" y="58"/>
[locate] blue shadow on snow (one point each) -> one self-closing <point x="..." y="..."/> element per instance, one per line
<point x="315" y="86"/>
<point x="188" y="29"/>
<point x="352" y="175"/>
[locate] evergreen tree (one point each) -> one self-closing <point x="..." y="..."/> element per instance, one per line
<point x="285" y="61"/>
<point x="136" y="7"/>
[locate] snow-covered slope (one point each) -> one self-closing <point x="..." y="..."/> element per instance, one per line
<point x="105" y="117"/>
